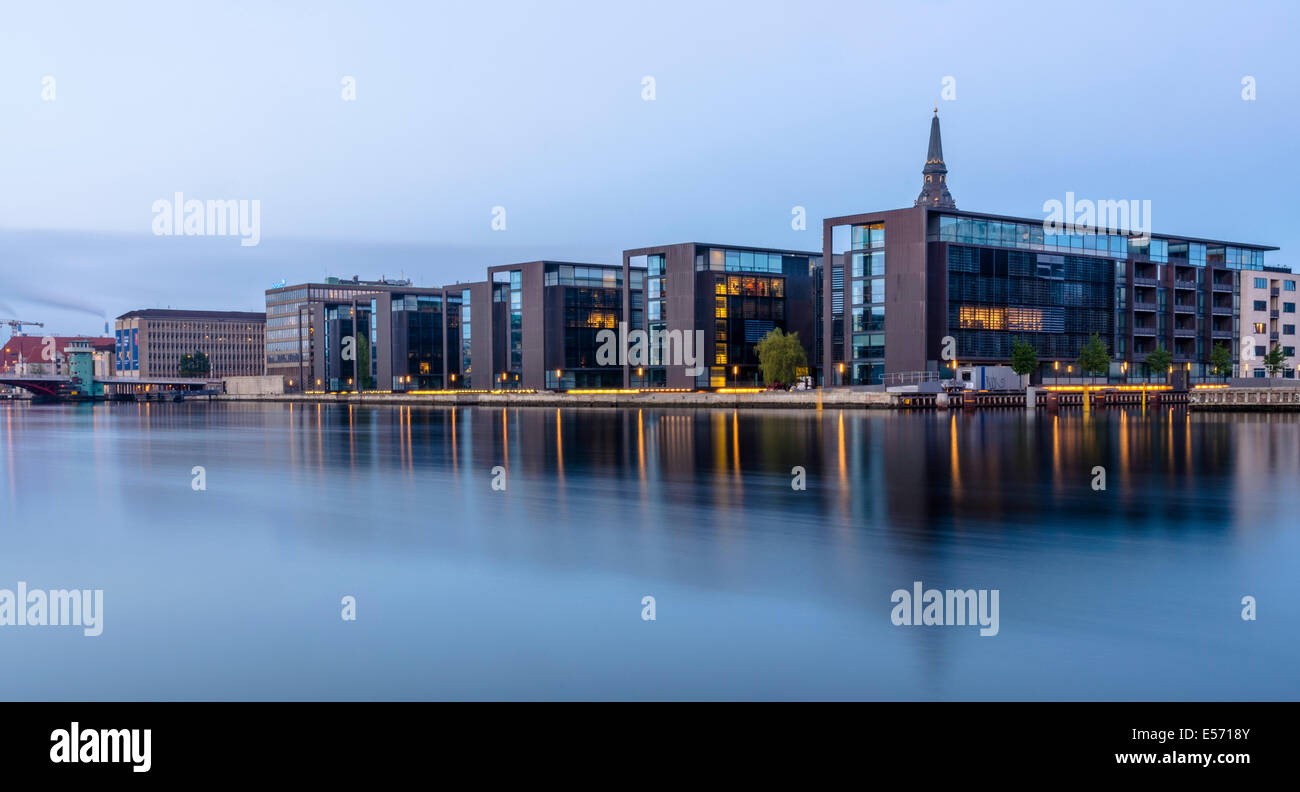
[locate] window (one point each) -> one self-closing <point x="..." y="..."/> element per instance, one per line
<point x="1288" y="351"/>
<point x="1288" y="285"/>
<point x="1288" y="307"/>
<point x="1261" y="283"/>
<point x="1260" y="351"/>
<point x="1260" y="305"/>
<point x="1288" y="329"/>
<point x="1259" y="327"/>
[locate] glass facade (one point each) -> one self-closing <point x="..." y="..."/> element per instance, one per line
<point x="867" y="298"/>
<point x="593" y="302"/>
<point x="1053" y="302"/>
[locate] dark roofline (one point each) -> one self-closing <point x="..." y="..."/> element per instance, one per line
<point x="751" y="248"/>
<point x="359" y="286"/>
<point x="170" y="313"/>
<point x="1039" y="221"/>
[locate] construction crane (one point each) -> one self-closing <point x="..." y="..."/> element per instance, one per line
<point x="16" y="325"/>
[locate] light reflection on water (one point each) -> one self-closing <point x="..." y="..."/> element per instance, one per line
<point x="762" y="591"/>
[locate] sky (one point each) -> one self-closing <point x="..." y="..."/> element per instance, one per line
<point x="543" y="110"/>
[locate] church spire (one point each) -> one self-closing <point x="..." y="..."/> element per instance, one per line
<point x="934" y="189"/>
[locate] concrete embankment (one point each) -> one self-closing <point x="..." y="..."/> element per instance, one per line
<point x="805" y="400"/>
<point x="1246" y="400"/>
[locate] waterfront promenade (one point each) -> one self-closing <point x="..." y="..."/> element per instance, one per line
<point x="1219" y="399"/>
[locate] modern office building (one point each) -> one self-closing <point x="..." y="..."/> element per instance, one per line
<point x="1268" y="319"/>
<point x="537" y="325"/>
<point x="151" y="342"/>
<point x="384" y="335"/>
<point x="733" y="295"/>
<point x="910" y="290"/>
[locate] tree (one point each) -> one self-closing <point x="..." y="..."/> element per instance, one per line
<point x="1159" y="359"/>
<point x="1221" y="360"/>
<point x="780" y="356"/>
<point x="195" y="365"/>
<point x="364" y="379"/>
<point x="1274" y="360"/>
<point x="1024" y="360"/>
<point x="1093" y="358"/>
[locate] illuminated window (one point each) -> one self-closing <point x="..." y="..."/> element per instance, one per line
<point x="720" y="308"/>
<point x="978" y="317"/>
<point x="1028" y="320"/>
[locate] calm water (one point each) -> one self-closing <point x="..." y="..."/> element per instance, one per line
<point x="762" y="591"/>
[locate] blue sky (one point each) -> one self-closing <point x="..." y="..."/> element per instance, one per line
<point x="759" y="107"/>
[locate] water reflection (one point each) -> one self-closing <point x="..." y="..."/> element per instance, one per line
<point x="1103" y="590"/>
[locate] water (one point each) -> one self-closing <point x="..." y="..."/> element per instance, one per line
<point x="762" y="591"/>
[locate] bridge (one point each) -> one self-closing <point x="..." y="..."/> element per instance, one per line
<point x="49" y="387"/>
<point x="59" y="387"/>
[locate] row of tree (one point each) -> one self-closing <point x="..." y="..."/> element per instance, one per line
<point x="780" y="356"/>
<point x="1094" y="359"/>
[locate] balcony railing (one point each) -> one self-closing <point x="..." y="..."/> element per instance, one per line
<point x="1221" y="310"/>
<point x="1144" y="331"/>
<point x="1140" y="281"/>
<point x="1184" y="284"/>
<point x="1184" y="308"/>
<point x="1144" y="306"/>
<point x="1185" y="332"/>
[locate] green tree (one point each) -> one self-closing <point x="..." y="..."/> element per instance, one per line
<point x="780" y="356"/>
<point x="1093" y="358"/>
<point x="1024" y="360"/>
<point x="1221" y="360"/>
<point x="1159" y="359"/>
<point x="364" y="379"/>
<point x="1274" y="360"/>
<point x="195" y="365"/>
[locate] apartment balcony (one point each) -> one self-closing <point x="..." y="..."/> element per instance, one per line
<point x="1221" y="287"/>
<point x="1185" y="284"/>
<point x="1273" y="314"/>
<point x="1221" y="333"/>
<point x="1184" y="332"/>
<point x="1144" y="281"/>
<point x="1273" y="337"/>
<point x="1274" y="291"/>
<point x="1138" y="330"/>
<point x="1185" y="308"/>
<point x="1144" y="306"/>
<point x="1221" y="310"/>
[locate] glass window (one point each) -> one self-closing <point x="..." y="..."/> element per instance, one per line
<point x="1261" y="283"/>
<point x="947" y="228"/>
<point x="1288" y="285"/>
<point x="878" y="290"/>
<point x="840" y="239"/>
